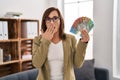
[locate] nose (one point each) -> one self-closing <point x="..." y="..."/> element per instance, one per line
<point x="51" y="21"/>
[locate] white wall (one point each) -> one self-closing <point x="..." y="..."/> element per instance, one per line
<point x="103" y="34"/>
<point x="29" y="8"/>
<point x="57" y="3"/>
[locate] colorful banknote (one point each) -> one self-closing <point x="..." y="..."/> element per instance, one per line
<point x="81" y="23"/>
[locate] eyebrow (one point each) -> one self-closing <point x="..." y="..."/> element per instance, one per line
<point x="53" y="16"/>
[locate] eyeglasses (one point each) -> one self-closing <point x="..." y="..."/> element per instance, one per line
<point x="54" y="19"/>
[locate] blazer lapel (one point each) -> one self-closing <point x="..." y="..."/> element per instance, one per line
<point x="66" y="47"/>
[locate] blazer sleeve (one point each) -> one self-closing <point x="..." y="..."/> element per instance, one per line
<point x="79" y="50"/>
<point x="39" y="51"/>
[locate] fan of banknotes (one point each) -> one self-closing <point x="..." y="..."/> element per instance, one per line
<point x="81" y="23"/>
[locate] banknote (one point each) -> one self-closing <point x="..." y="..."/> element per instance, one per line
<point x="81" y="23"/>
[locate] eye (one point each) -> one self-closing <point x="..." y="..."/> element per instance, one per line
<point x="47" y="19"/>
<point x="55" y="17"/>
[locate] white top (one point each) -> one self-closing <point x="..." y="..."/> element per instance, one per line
<point x="55" y="59"/>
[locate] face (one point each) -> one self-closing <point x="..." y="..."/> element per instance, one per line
<point x="53" y="20"/>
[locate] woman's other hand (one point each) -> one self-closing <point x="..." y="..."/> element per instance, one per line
<point x="85" y="35"/>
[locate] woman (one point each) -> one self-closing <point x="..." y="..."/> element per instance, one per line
<point x="55" y="53"/>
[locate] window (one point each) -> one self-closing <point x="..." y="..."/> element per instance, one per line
<point x="78" y="8"/>
<point x="116" y="39"/>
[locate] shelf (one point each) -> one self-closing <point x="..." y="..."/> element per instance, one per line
<point x="10" y="62"/>
<point x="22" y="19"/>
<point x="16" y="38"/>
<point x="9" y="68"/>
<point x="10" y="50"/>
<point x="26" y="49"/>
<point x="10" y="40"/>
<point x="27" y="65"/>
<point x="23" y="39"/>
<point x="25" y="60"/>
<point x="8" y="19"/>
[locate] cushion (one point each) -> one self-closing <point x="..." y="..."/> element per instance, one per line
<point x="86" y="72"/>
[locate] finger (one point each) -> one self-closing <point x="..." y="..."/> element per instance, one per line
<point x="85" y="38"/>
<point x="54" y="30"/>
<point x="49" y="29"/>
<point x="84" y="32"/>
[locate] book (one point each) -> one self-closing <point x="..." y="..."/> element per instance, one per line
<point x="34" y="28"/>
<point x="81" y="23"/>
<point x="5" y="30"/>
<point x="29" y="29"/>
<point x="25" y="28"/>
<point x="1" y="31"/>
<point x="1" y="56"/>
<point x="27" y="57"/>
<point x="13" y="14"/>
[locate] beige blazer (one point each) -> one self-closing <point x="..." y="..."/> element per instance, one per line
<point x="73" y="56"/>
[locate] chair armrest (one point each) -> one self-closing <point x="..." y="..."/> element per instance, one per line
<point x="101" y="74"/>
